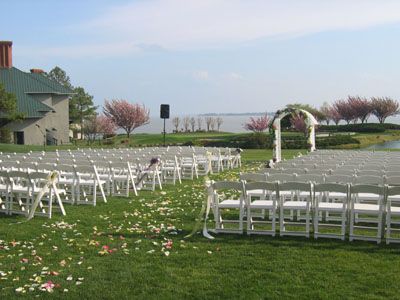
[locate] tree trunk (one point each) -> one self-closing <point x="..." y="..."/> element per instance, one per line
<point x="81" y="127"/>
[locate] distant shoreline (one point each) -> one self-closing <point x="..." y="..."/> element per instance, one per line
<point x="236" y="114"/>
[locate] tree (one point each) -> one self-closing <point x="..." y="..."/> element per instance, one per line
<point x="8" y="112"/>
<point x="126" y="115"/>
<point x="81" y="107"/>
<point x="90" y="128"/>
<point x="319" y="116"/>
<point x="361" y="107"/>
<point x="175" y="122"/>
<point x="219" y="121"/>
<point x="334" y="115"/>
<point x="258" y="124"/>
<point x="209" y="120"/>
<point x="324" y="110"/>
<point x="199" y="122"/>
<point x="8" y="107"/>
<point x="98" y="124"/>
<point x="193" y="123"/>
<point x="186" y="123"/>
<point x="105" y="125"/>
<point x="59" y="75"/>
<point x="383" y="107"/>
<point x="345" y="110"/>
<point x="299" y="124"/>
<point x="212" y="124"/>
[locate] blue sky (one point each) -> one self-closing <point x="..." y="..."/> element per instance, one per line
<point x="212" y="55"/>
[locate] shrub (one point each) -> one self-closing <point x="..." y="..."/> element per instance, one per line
<point x="5" y="135"/>
<point x="327" y="142"/>
<point x="108" y="141"/>
<point x="365" y="128"/>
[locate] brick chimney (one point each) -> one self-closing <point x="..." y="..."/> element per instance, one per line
<point x="37" y="71"/>
<point x="5" y="54"/>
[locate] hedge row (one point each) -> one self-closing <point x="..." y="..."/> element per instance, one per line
<point x="365" y="128"/>
<point x="262" y="141"/>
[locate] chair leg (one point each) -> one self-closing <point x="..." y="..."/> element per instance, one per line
<point x="94" y="194"/>
<point x="273" y="221"/>
<point x="343" y="224"/>
<point x="281" y="220"/>
<point x="308" y="222"/>
<point x="379" y="231"/>
<point x="241" y="213"/>
<point x="249" y="220"/>
<point x="316" y="220"/>
<point x="388" y="226"/>
<point x="159" y="180"/>
<point x="217" y="218"/>
<point x="153" y="185"/>
<point x="351" y="226"/>
<point x="50" y="208"/>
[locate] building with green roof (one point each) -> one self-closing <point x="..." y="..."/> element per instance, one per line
<point x="44" y="103"/>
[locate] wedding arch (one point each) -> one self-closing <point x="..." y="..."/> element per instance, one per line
<point x="275" y="129"/>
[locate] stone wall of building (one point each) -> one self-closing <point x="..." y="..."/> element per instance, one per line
<point x="54" y="126"/>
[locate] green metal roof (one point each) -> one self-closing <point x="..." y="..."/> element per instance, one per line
<point x="23" y="85"/>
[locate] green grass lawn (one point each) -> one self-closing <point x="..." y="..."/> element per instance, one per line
<point x="150" y="258"/>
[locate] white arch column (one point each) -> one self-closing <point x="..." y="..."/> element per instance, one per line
<point x="312" y="138"/>
<point x="277" y="144"/>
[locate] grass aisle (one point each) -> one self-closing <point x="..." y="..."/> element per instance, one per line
<point x="134" y="248"/>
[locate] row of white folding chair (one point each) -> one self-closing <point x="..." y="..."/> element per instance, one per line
<point x="304" y="204"/>
<point x="117" y="176"/>
<point x="19" y="190"/>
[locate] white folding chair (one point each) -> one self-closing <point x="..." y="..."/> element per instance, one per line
<point x="228" y="195"/>
<point x="103" y="169"/>
<point x="20" y="192"/>
<point x="302" y="205"/>
<point x="5" y="187"/>
<point x="38" y="181"/>
<point x="392" y="213"/>
<point x="364" y="207"/>
<point x="149" y="178"/>
<point x="323" y="203"/>
<point x="171" y="170"/>
<point x="268" y="201"/>
<point x="122" y="179"/>
<point x="189" y="167"/>
<point x="66" y="181"/>
<point x="87" y="183"/>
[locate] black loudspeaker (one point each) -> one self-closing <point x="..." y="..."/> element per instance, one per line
<point x="164" y="111"/>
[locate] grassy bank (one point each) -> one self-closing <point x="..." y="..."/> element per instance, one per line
<point x="140" y="140"/>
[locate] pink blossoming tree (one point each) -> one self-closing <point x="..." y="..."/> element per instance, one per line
<point x="125" y="115"/>
<point x="299" y="124"/>
<point x="258" y="124"/>
<point x="383" y="107"/>
<point x="345" y="110"/>
<point x="334" y="115"/>
<point x="105" y="125"/>
<point x="361" y="107"/>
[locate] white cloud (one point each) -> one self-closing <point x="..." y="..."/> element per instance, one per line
<point x="193" y="24"/>
<point x="85" y="50"/>
<point x="201" y="75"/>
